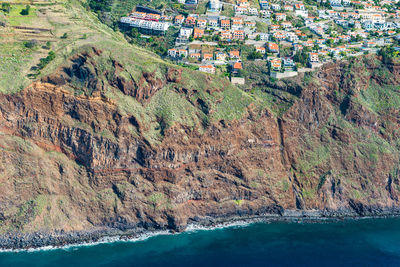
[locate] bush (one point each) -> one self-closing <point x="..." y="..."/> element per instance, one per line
<point x="64" y="36"/>
<point x="6" y="7"/>
<point x="44" y="61"/>
<point x="30" y="44"/>
<point x="25" y="11"/>
<point x="47" y="45"/>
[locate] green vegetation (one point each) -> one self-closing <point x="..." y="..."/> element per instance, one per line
<point x="25" y="11"/>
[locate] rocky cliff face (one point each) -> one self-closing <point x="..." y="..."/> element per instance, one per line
<point x="74" y="162"/>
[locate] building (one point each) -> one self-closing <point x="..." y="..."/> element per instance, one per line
<point x="260" y="49"/>
<point x="238" y="35"/>
<point x="179" y="20"/>
<point x="207" y="56"/>
<point x="264" y="4"/>
<point x="235" y="54"/>
<point x="275" y="63"/>
<point x="237" y="66"/>
<point x="273" y="47"/>
<point x="201" y="23"/>
<point x="207" y="69"/>
<point x="226" y="35"/>
<point x="198" y="33"/>
<point x="214" y="6"/>
<point x="146" y="26"/>
<point x="280" y="16"/>
<point x="225" y="24"/>
<point x="172" y="52"/>
<point x="195" y="55"/>
<point x="313" y="57"/>
<point x="220" y="56"/>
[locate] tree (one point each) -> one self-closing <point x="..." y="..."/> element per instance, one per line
<point x="301" y="57"/>
<point x="258" y="38"/>
<point x="254" y="55"/>
<point x="64" y="36"/>
<point x="100" y="5"/>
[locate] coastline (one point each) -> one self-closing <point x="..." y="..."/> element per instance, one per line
<point x="30" y="242"/>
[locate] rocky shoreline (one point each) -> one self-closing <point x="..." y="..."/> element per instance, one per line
<point x="39" y="240"/>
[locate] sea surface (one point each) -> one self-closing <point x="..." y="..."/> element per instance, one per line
<point x="367" y="242"/>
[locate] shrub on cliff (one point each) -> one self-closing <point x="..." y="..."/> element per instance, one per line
<point x="25" y="11"/>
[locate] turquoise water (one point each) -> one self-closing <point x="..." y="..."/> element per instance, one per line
<point x="357" y="243"/>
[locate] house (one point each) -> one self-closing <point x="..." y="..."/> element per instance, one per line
<point x="252" y="11"/>
<point x="275" y="63"/>
<point x="191" y="21"/>
<point x="185" y="32"/>
<point x="286" y="25"/>
<point x="250" y="24"/>
<point x="195" y="55"/>
<point x="275" y="7"/>
<point x="264" y="4"/>
<point x="279" y="35"/>
<point x="313" y="57"/>
<point x="183" y="52"/>
<point x="273" y="47"/>
<point x="238" y="35"/>
<point x="335" y="3"/>
<point x="198" y="33"/>
<point x="288" y="63"/>
<point x="235" y="54"/>
<point x="237" y="66"/>
<point x="207" y="69"/>
<point x="265" y="14"/>
<point x="172" y="52"/>
<point x="226" y="35"/>
<point x="179" y="20"/>
<point x="274" y="27"/>
<point x="280" y="16"/>
<point x="291" y="37"/>
<point x="214" y="5"/>
<point x="260" y="49"/>
<point x="263" y="36"/>
<point x="225" y="24"/>
<point x="288" y="8"/>
<point x="220" y="56"/>
<point x="213" y="22"/>
<point x="201" y="23"/>
<point x="240" y="10"/>
<point x="300" y="6"/>
<point x="300" y="10"/>
<point x="243" y="3"/>
<point x="207" y="56"/>
<point x="237" y="24"/>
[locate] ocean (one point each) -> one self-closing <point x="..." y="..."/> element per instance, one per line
<point x="367" y="242"/>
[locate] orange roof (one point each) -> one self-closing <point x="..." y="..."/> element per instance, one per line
<point x="237" y="65"/>
<point x="234" y="53"/>
<point x="273" y="46"/>
<point x="197" y="30"/>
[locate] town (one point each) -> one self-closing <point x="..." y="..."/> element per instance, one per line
<point x="291" y="36"/>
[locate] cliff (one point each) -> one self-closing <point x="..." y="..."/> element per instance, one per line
<point x="72" y="161"/>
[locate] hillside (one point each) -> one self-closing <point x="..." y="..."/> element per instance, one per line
<point x="104" y="137"/>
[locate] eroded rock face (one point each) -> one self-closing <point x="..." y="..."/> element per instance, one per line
<point x="108" y="175"/>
